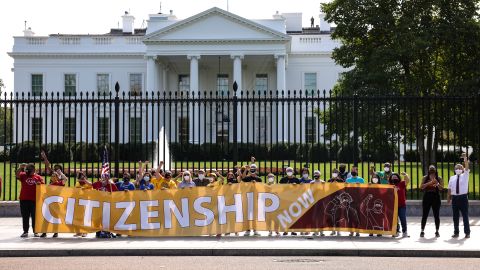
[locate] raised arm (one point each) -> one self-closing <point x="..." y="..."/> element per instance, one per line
<point x="48" y="167"/>
<point x="19" y="170"/>
<point x="406" y="178"/>
<point x="465" y="161"/>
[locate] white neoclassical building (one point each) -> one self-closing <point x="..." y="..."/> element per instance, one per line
<point x="206" y="52"/>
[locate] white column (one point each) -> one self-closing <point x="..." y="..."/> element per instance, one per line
<point x="194" y="88"/>
<point x="150" y="73"/>
<point x="237" y="77"/>
<point x="281" y="86"/>
<point x="165" y="78"/>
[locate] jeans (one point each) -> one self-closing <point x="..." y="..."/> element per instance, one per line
<point x="27" y="209"/>
<point x="431" y="200"/>
<point x="402" y="215"/>
<point x="460" y="204"/>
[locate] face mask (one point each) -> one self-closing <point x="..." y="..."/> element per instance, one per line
<point x="458" y="172"/>
<point x="431" y="172"/>
<point x="271" y="180"/>
<point x="28" y="171"/>
<point x="354" y="173"/>
<point x="201" y="176"/>
<point x="316" y="176"/>
<point x="126" y="180"/>
<point x="305" y="175"/>
<point x="375" y="180"/>
<point x="386" y="169"/>
<point x="342" y="170"/>
<point x="186" y="177"/>
<point x="253" y="170"/>
<point x="289" y="173"/>
<point x="334" y="175"/>
<point x="147" y="178"/>
<point x="396" y="181"/>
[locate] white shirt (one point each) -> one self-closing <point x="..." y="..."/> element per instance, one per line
<point x="452" y="183"/>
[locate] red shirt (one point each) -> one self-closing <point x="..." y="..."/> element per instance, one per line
<point x="109" y="187"/>
<point x="29" y="185"/>
<point x="402" y="194"/>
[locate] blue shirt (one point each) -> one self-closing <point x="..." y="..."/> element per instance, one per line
<point x="185" y="184"/>
<point x="146" y="187"/>
<point x="122" y="186"/>
<point x="355" y="180"/>
<point x="305" y="181"/>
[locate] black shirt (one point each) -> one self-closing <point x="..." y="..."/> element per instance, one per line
<point x="336" y="180"/>
<point x="251" y="178"/>
<point x="286" y="180"/>
<point x="343" y="175"/>
<point x="201" y="183"/>
<point x="233" y="180"/>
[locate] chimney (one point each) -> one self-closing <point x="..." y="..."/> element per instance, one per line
<point x="324" y="25"/>
<point x="127" y="21"/>
<point x="28" y="32"/>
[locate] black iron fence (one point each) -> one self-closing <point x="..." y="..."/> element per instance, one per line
<point x="219" y="130"/>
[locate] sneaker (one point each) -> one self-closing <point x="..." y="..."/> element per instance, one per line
<point x="255" y="233"/>
<point x="357" y="234"/>
<point x="322" y="234"/>
<point x="227" y="234"/>
<point x="43" y="235"/>
<point x="351" y="234"/>
<point x="285" y="233"/>
<point x="405" y="235"/>
<point x="395" y="235"/>
<point x="270" y="234"/>
<point x="422" y="234"/>
<point x="277" y="234"/>
<point x="316" y="234"/>
<point x="77" y="235"/>
<point x="371" y="235"/>
<point x="437" y="234"/>
<point x="293" y="233"/>
<point x="84" y="235"/>
<point x="247" y="233"/>
<point x="36" y="235"/>
<point x="236" y="234"/>
<point x="24" y="235"/>
<point x="339" y="234"/>
<point x="333" y="233"/>
<point x="379" y="235"/>
<point x="467" y="235"/>
<point x="55" y="235"/>
<point x="455" y="235"/>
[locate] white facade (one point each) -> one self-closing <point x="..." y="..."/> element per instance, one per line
<point x="199" y="48"/>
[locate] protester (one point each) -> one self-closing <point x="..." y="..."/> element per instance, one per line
<point x="144" y="183"/>
<point x="432" y="184"/>
<point x="106" y="185"/>
<point x="375" y="179"/>
<point x="289" y="179"/>
<point x="384" y="175"/>
<point x="355" y="179"/>
<point x="401" y="189"/>
<point x="458" y="196"/>
<point x="231" y="179"/>
<point x="250" y="175"/>
<point x="164" y="182"/>
<point x="84" y="184"/>
<point x="336" y="177"/>
<point x="305" y="176"/>
<point x="29" y="181"/>
<point x="271" y="181"/>
<point x="200" y="181"/>
<point x="124" y="184"/>
<point x="317" y="180"/>
<point x="343" y="172"/>
<point x="186" y="181"/>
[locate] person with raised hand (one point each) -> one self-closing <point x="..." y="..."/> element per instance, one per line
<point x="458" y="197"/>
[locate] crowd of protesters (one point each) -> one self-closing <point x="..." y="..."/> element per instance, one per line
<point x="160" y="179"/>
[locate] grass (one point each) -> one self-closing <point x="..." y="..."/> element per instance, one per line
<point x="11" y="187"/>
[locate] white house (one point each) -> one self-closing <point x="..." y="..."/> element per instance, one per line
<point x="206" y="52"/>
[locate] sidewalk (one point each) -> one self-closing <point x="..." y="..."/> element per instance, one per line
<point x="11" y="245"/>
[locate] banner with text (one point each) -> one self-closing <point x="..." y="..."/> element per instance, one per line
<point x="221" y="209"/>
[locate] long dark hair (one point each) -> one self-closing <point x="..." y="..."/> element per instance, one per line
<point x="390" y="178"/>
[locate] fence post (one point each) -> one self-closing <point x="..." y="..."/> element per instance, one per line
<point x="235" y="131"/>
<point x="117" y="127"/>
<point x="355" y="131"/>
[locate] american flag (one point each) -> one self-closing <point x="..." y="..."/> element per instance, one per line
<point x="105" y="164"/>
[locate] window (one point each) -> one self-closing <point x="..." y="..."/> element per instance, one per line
<point x="261" y="128"/>
<point x="310" y="83"/>
<point x="135" y="129"/>
<point x="136" y="84"/>
<point x="103" y="84"/>
<point x="183" y="130"/>
<point x="311" y="129"/>
<point x="222" y="84"/>
<point x="261" y="82"/>
<point x="37" y="84"/>
<point x="37" y="129"/>
<point x="103" y="130"/>
<point x="70" y="82"/>
<point x="69" y="129"/>
<point x="183" y="83"/>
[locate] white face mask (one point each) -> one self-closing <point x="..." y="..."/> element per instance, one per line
<point x="375" y="180"/>
<point x="186" y="177"/>
<point x="458" y="172"/>
<point x="334" y="175"/>
<point x="386" y="169"/>
<point x="146" y="178"/>
<point x="289" y="173"/>
<point x="201" y="176"/>
<point x="271" y="180"/>
<point x="305" y="175"/>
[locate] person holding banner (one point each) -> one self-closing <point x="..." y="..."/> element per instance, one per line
<point x="82" y="183"/>
<point x="336" y="177"/>
<point x="186" y="181"/>
<point x="29" y="180"/>
<point x="289" y="179"/>
<point x="458" y="196"/>
<point x="343" y="172"/>
<point x="105" y="184"/>
<point x="355" y="179"/>
<point x="164" y="182"/>
<point x="144" y="183"/>
<point x="200" y="181"/>
<point x="383" y="175"/>
<point x="305" y="176"/>
<point x="231" y="179"/>
<point x="125" y="184"/>
<point x="401" y="188"/>
<point x="432" y="184"/>
<point x="271" y="181"/>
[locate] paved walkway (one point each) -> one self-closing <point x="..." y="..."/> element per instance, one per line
<point x="66" y="245"/>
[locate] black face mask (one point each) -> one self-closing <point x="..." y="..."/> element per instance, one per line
<point x="396" y="181"/>
<point x="253" y="170"/>
<point x="230" y="179"/>
<point x="126" y="180"/>
<point x="342" y="170"/>
<point x="29" y="172"/>
<point x="316" y="176"/>
<point x="354" y="174"/>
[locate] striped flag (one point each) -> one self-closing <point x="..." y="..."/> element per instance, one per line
<point x="105" y="164"/>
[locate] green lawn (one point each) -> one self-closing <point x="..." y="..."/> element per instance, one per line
<point x="11" y="186"/>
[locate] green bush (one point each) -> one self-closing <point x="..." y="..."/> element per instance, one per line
<point x="57" y="153"/>
<point x="86" y="152"/>
<point x="411" y="156"/>
<point x="26" y="152"/>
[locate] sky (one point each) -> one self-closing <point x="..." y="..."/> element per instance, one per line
<point x="98" y="16"/>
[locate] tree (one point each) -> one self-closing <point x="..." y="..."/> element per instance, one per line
<point x="411" y="48"/>
<point x="5" y="118"/>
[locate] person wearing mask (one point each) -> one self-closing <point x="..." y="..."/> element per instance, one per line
<point x="29" y="181"/>
<point x="401" y="189"/>
<point x="186" y="181"/>
<point x="289" y="179"/>
<point x="375" y="180"/>
<point x="84" y="184"/>
<point x="250" y="175"/>
<point x="317" y="180"/>
<point x="458" y="197"/>
<point x="384" y="175"/>
<point x="431" y="186"/>
<point x="144" y="183"/>
<point x="305" y="176"/>
<point x="336" y="177"/>
<point x="231" y="179"/>
<point x="124" y="184"/>
<point x="106" y="185"/>
<point x="201" y="181"/>
<point x="355" y="179"/>
<point x="343" y="172"/>
<point x="164" y="182"/>
<point x="271" y="181"/>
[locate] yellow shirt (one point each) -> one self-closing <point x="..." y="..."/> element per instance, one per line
<point x="161" y="182"/>
<point x="84" y="186"/>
